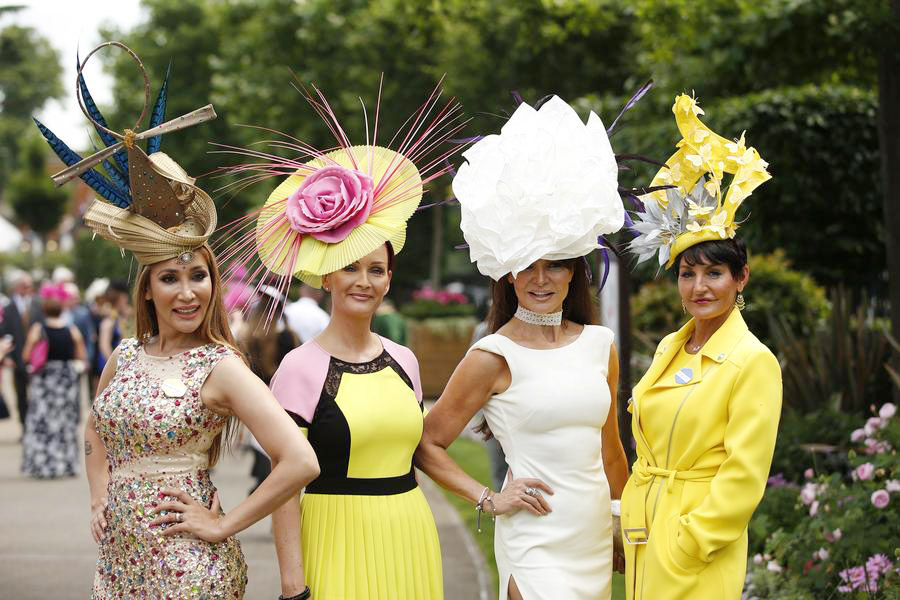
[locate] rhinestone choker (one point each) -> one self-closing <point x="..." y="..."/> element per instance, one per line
<point x="534" y="318"/>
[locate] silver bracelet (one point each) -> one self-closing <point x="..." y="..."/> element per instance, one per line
<point x="616" y="507"/>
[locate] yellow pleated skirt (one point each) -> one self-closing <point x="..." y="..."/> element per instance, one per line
<point x="371" y="547"/>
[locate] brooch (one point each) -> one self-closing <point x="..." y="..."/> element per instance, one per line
<point x="173" y="388"/>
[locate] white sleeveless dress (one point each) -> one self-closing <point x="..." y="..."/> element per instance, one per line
<point x="549" y="424"/>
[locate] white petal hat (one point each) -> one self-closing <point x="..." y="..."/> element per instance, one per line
<point x="545" y="187"/>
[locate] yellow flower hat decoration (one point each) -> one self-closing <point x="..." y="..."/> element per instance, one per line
<point x="697" y="169"/>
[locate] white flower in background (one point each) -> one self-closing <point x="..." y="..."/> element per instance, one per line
<point x="545" y="187"/>
<point x="808" y="493"/>
<point x="873" y="425"/>
<point x="892" y="485"/>
<point x="774" y="566"/>
<point x="887" y="411"/>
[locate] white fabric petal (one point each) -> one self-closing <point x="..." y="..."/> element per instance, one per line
<point x="545" y="187"/>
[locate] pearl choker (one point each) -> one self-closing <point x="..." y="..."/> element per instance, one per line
<point x="534" y="318"/>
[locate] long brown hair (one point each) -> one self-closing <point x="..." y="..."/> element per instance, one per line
<point x="214" y="329"/>
<point x="580" y="307"/>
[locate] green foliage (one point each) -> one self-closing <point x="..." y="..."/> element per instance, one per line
<point x="35" y="200"/>
<point x="816" y="439"/>
<point x="841" y="365"/>
<point x="778" y="510"/>
<point x="95" y="258"/>
<point x="774" y="288"/>
<point x="823" y="204"/>
<point x="30" y="75"/>
<point x="777" y="289"/>
<point x="749" y="45"/>
<point x="837" y="524"/>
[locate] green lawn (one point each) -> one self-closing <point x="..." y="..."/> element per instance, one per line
<point x="473" y="458"/>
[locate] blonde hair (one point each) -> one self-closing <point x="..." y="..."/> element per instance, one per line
<point x="214" y="329"/>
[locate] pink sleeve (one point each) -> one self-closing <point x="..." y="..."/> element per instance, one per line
<point x="407" y="361"/>
<point x="298" y="382"/>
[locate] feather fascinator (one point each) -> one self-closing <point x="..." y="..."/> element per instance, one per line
<point x="687" y="206"/>
<point x="150" y="205"/>
<point x="335" y="206"/>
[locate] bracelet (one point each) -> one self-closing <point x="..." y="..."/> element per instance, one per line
<point x="304" y="595"/>
<point x="479" y="506"/>
<point x="616" y="508"/>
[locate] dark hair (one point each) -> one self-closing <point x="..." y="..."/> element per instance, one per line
<point x="731" y="253"/>
<point x="578" y="306"/>
<point x="392" y="258"/>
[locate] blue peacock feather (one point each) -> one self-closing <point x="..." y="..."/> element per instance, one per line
<point x="120" y="156"/>
<point x="159" y="113"/>
<point x="98" y="182"/>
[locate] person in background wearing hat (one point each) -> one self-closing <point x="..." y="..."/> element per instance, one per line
<point x="50" y="446"/>
<point x="705" y="414"/>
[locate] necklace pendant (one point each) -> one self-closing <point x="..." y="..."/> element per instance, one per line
<point x="535" y="318"/>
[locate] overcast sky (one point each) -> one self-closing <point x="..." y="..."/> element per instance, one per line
<point x="70" y="25"/>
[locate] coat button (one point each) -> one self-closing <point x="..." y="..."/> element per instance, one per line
<point x="721" y="357"/>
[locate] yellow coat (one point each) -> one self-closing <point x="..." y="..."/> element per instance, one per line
<point x="695" y="486"/>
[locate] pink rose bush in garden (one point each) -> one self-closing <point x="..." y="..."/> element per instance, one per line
<point x="838" y="534"/>
<point x="428" y="303"/>
<point x="330" y="203"/>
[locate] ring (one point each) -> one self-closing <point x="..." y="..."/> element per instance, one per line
<point x="531" y="491"/>
<point x="179" y="517"/>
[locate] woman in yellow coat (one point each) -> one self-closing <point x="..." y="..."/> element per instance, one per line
<point x="705" y="415"/>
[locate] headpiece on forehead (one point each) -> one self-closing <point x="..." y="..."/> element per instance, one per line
<point x="336" y="206"/>
<point x="152" y="206"/>
<point x="693" y="210"/>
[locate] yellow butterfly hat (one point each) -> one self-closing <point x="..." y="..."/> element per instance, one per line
<point x="693" y="210"/>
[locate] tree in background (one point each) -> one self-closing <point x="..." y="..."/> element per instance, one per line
<point x="30" y="74"/>
<point x="35" y="200"/>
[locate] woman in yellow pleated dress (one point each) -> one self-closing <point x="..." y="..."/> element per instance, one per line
<point x="363" y="529"/>
<point x="705" y="415"/>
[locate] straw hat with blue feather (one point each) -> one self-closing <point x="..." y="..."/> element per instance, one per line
<point x="150" y="205"/>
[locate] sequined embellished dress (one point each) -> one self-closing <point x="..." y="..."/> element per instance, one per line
<point x="157" y="432"/>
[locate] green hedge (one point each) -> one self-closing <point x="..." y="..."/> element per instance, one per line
<point x="823" y="205"/>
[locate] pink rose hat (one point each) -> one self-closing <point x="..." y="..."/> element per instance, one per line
<point x="336" y="206"/>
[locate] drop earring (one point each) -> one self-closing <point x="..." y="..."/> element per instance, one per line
<point x="739" y="301"/>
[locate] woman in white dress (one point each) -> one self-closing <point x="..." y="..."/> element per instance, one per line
<point x="546" y="377"/>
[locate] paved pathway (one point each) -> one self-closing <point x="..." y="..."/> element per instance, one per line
<point x="46" y="550"/>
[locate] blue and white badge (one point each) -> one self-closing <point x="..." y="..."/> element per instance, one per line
<point x="684" y="376"/>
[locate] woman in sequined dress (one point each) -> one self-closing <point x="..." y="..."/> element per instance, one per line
<point x="156" y="427"/>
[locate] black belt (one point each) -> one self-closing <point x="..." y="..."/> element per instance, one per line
<point x="354" y="486"/>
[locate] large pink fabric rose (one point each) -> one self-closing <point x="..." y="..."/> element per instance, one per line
<point x="330" y="203"/>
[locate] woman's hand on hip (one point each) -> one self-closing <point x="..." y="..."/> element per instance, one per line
<point x="98" y="519"/>
<point x="522" y="494"/>
<point x="189" y="516"/>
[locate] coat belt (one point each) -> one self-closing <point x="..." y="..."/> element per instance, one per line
<point x="635" y="530"/>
